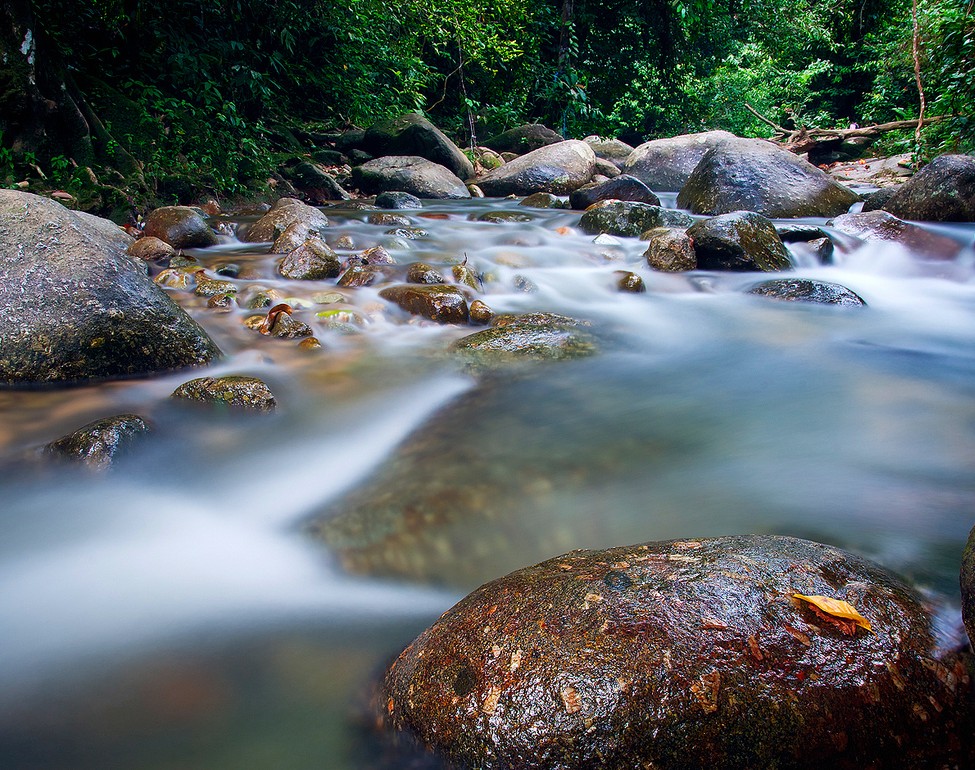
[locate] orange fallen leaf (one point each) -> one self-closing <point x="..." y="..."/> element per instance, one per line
<point x="837" y="608"/>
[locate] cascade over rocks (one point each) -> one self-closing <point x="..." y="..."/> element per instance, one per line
<point x="409" y="173"/>
<point x="685" y="654"/>
<point x="621" y="188"/>
<point x="755" y="175"/>
<point x="741" y="240"/>
<point x="942" y="191"/>
<point x="77" y="307"/>
<point x="665" y="164"/>
<point x="557" y="168"/>
<point x="413" y="134"/>
<point x="523" y="139"/>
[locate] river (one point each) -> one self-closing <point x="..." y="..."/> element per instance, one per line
<point x="176" y="613"/>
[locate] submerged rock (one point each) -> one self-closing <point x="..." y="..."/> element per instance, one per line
<point x="942" y="191"/>
<point x="558" y="169"/>
<point x="511" y="342"/>
<point x="97" y="443"/>
<point x="805" y="290"/>
<point x="741" y="240"/>
<point x="685" y="654"/>
<point x="233" y="391"/>
<point x="179" y="226"/>
<point x="77" y="307"/>
<point x="755" y="175"/>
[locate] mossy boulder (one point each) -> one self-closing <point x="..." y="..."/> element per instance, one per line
<point x="413" y="134"/>
<point x="629" y="218"/>
<point x="234" y="391"/>
<point x="755" y="175"/>
<point x="514" y="342"/>
<point x="942" y="191"/>
<point x="741" y="240"/>
<point x="523" y="139"/>
<point x="665" y="164"/>
<point x="685" y="654"/>
<point x="615" y="151"/>
<point x="96" y="444"/>
<point x="77" y="307"/>
<point x="180" y="226"/>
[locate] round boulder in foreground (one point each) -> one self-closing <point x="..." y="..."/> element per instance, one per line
<point x="684" y="654"/>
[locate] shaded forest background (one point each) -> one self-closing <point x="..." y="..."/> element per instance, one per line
<point x="131" y="97"/>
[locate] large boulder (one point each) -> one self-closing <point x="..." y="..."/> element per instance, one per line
<point x="755" y="175"/>
<point x="409" y="173"/>
<point x="288" y="213"/>
<point x="629" y="218"/>
<point x="523" y="139"/>
<point x="614" y="150"/>
<point x="881" y="226"/>
<point x="741" y="240"/>
<point x="665" y="164"/>
<point x="621" y="188"/>
<point x="558" y="169"/>
<point x="685" y="654"/>
<point x="77" y="307"/>
<point x="942" y="191"/>
<point x="413" y="134"/>
<point x="315" y="183"/>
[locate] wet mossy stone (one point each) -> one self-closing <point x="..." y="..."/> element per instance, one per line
<point x="741" y="240"/>
<point x="622" y="188"/>
<point x="669" y="249"/>
<point x="629" y="218"/>
<point x="613" y="150"/>
<point x="805" y="290"/>
<point x="96" y="444"/>
<point x="444" y="304"/>
<point x="968" y="587"/>
<point x="942" y="191"/>
<point x="286" y="213"/>
<point x="511" y="342"/>
<point x="235" y="391"/>
<point x="314" y="260"/>
<point x="409" y="173"/>
<point x="543" y="200"/>
<point x="77" y="307"/>
<point x="523" y="139"/>
<point x="413" y="134"/>
<point x="684" y="654"/>
<point x="557" y="168"/>
<point x="755" y="175"/>
<point x="180" y="226"/>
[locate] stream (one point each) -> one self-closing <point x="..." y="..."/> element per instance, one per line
<point x="175" y="612"/>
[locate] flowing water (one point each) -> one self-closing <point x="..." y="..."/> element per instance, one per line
<point x="175" y="612"/>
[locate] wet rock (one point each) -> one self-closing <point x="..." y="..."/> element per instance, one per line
<point x="151" y="249"/>
<point x="755" y="175"/>
<point x="377" y="255"/>
<point x="444" y="304"/>
<point x="415" y="175"/>
<point x="629" y="218"/>
<point x="475" y="191"/>
<point x="968" y="587"/>
<point x="630" y="282"/>
<point x="613" y="150"/>
<point x="557" y="168"/>
<point x="488" y="158"/>
<point x="312" y="261"/>
<point x="234" y="391"/>
<point x="315" y="184"/>
<point x="942" y="191"/>
<point x="543" y="200"/>
<point x="77" y="307"/>
<point x="294" y="235"/>
<point x="179" y="226"/>
<point x="96" y="444"/>
<point x="480" y="312"/>
<point x="279" y="323"/>
<point x="397" y="199"/>
<point x="358" y="276"/>
<point x="741" y="240"/>
<point x="504" y="216"/>
<point x="622" y="188"/>
<point x="513" y="342"/>
<point x="880" y="226"/>
<point x="389" y="220"/>
<point x="604" y="170"/>
<point x="684" y="654"/>
<point x="211" y="287"/>
<point x="523" y="139"/>
<point x="665" y="164"/>
<point x="669" y="249"/>
<point x="804" y="290"/>
<point x="287" y="212"/>
<point x="421" y="272"/>
<point x="409" y="233"/>
<point x="413" y="134"/>
<point x="465" y="274"/>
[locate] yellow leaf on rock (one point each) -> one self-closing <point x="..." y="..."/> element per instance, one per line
<point x="837" y="608"/>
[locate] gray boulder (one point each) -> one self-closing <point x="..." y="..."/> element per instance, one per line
<point x="613" y="150"/>
<point x="666" y="164"/>
<point x="303" y="221"/>
<point x="755" y="175"/>
<point x="630" y="218"/>
<point x="523" y="139"/>
<point x="409" y="173"/>
<point x="621" y="188"/>
<point x="77" y="307"/>
<point x="558" y="169"/>
<point x="685" y="654"/>
<point x="413" y="134"/>
<point x="741" y="240"/>
<point x="180" y="226"/>
<point x="942" y="191"/>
